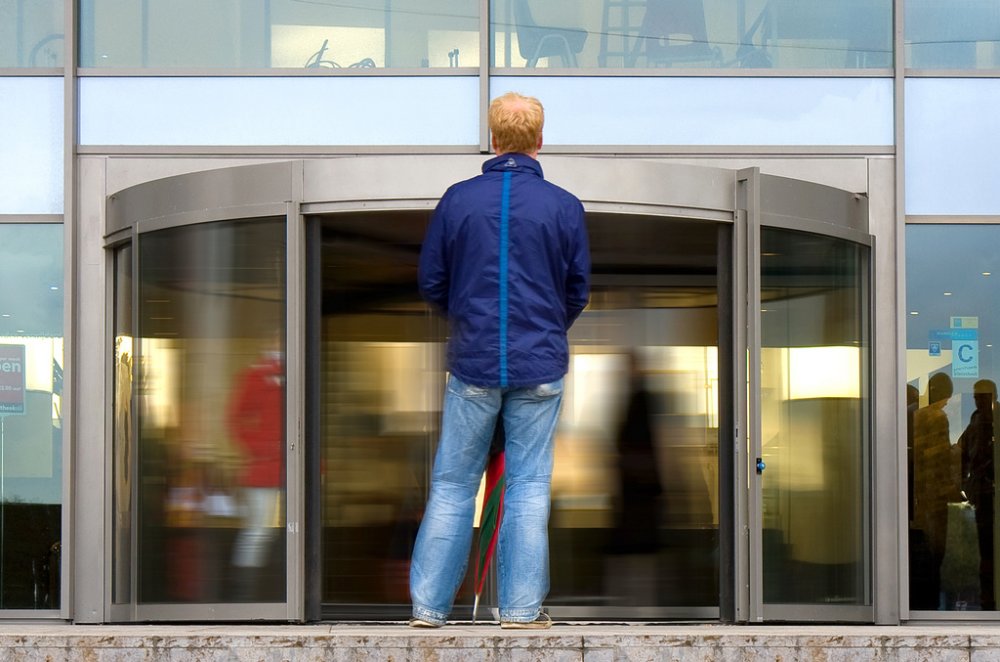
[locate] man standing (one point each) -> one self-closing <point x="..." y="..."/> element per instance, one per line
<point x="506" y="258"/>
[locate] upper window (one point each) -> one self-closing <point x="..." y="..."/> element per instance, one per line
<point x="234" y="34"/>
<point x="952" y="34"/>
<point x="758" y="34"/>
<point x="31" y="33"/>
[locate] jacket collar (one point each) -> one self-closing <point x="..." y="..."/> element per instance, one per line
<point x="513" y="161"/>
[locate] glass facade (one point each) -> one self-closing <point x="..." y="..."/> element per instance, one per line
<point x="211" y="402"/>
<point x="207" y="306"/>
<point x="815" y="399"/>
<point x="325" y="34"/>
<point x="31" y="33"/>
<point x="31" y="417"/>
<point x="755" y="34"/>
<point x="951" y="397"/>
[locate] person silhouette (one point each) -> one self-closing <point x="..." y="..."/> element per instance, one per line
<point x="640" y="487"/>
<point x="934" y="484"/>
<point x="978" y="469"/>
<point x="256" y="422"/>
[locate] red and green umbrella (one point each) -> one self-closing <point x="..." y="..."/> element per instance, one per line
<point x="492" y="514"/>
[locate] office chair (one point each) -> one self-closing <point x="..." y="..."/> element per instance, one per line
<point x="673" y="31"/>
<point x="537" y="41"/>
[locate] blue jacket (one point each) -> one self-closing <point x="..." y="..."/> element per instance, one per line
<point x="506" y="258"/>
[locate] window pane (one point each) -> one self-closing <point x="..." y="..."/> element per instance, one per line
<point x="211" y="403"/>
<point x="784" y="34"/>
<point x="814" y="419"/>
<point x="700" y="110"/>
<point x="31" y="133"/>
<point x="31" y="369"/>
<point x="233" y="34"/>
<point x="952" y="145"/>
<point x="199" y="111"/>
<point x="951" y="381"/>
<point x="31" y="33"/>
<point x="952" y="34"/>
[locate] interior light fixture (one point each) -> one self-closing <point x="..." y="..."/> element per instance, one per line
<point x="987" y="273"/>
<point x="947" y="294"/>
<point x="913" y="312"/>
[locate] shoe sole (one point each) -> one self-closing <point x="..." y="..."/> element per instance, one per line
<point x="543" y="622"/>
<point x="420" y="623"/>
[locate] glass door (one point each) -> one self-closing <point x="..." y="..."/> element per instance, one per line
<point x="810" y="438"/>
<point x="636" y="494"/>
<point x="199" y="447"/>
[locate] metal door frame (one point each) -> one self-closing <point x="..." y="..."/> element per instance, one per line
<point x="809" y="218"/>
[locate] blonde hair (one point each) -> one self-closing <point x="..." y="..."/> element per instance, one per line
<point x="516" y="123"/>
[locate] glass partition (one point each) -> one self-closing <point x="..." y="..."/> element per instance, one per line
<point x="211" y="394"/>
<point x="952" y="34"/>
<point x="951" y="395"/>
<point x="31" y="33"/>
<point x="321" y="34"/>
<point x="31" y="387"/>
<point x="815" y="395"/>
<point x="757" y="34"/>
<point x="122" y="429"/>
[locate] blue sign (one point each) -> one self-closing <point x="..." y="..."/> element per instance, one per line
<point x="965" y="359"/>
<point x="954" y="334"/>
<point x="934" y="349"/>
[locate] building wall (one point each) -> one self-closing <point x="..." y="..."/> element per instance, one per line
<point x="916" y="134"/>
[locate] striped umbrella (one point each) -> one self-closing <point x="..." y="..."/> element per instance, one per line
<point x="492" y="514"/>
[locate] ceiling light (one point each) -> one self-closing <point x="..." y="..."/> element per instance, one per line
<point x="947" y="294"/>
<point x="913" y="312"/>
<point x="987" y="273"/>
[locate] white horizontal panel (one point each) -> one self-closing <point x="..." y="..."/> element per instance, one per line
<point x="353" y="110"/>
<point x="31" y="136"/>
<point x="711" y="110"/>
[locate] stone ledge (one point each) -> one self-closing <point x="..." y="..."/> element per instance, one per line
<point x="56" y="642"/>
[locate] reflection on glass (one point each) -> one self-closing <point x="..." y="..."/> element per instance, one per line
<point x="124" y="353"/>
<point x="381" y="379"/>
<point x="233" y="34"/>
<point x="952" y="34"/>
<point x="211" y="413"/>
<point x="31" y="370"/>
<point x="784" y="34"/>
<point x="635" y="492"/>
<point x="951" y="404"/>
<point x="814" y="419"/>
<point x="31" y="33"/>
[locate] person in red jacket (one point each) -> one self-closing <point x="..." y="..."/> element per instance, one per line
<point x="256" y="420"/>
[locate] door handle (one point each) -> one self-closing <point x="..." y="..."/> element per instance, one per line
<point x="760" y="466"/>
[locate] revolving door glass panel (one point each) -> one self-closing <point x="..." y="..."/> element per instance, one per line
<point x="211" y="393"/>
<point x="647" y="550"/>
<point x="815" y="403"/>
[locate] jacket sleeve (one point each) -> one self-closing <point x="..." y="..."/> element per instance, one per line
<point x="433" y="271"/>
<point x="578" y="274"/>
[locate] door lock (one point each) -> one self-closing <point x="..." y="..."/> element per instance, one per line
<point x="760" y="466"/>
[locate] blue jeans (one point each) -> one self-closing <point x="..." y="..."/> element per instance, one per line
<point x="441" y="553"/>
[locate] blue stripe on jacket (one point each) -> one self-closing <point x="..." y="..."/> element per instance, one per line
<point x="504" y="246"/>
